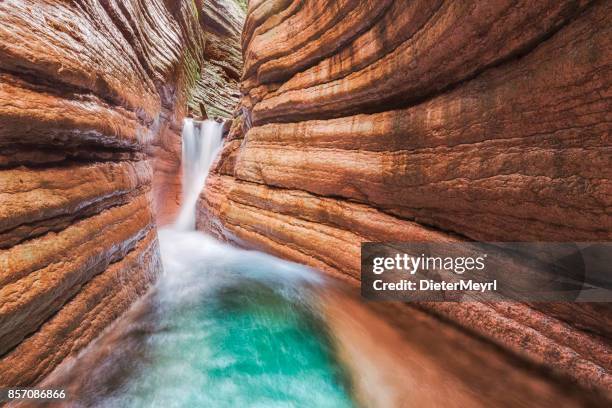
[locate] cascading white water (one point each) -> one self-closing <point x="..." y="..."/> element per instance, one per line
<point x="222" y="327"/>
<point x="201" y="143"/>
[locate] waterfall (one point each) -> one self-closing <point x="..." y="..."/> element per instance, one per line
<point x="201" y="143"/>
<point x="222" y="326"/>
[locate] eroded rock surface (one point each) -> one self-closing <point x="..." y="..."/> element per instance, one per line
<point x="433" y="120"/>
<point x="218" y="86"/>
<point x="92" y="96"/>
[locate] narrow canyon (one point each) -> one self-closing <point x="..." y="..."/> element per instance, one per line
<point x="92" y="99"/>
<point x="295" y="129"/>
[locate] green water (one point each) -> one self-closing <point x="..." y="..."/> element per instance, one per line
<point x="229" y="328"/>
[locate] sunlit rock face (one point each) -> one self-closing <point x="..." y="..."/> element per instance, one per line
<point x="92" y="96"/>
<point x="427" y="120"/>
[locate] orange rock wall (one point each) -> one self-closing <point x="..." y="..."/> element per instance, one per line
<point x="427" y="120"/>
<point x="92" y="96"/>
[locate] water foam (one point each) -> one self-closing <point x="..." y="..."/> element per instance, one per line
<point x="201" y="144"/>
<point x="223" y="326"/>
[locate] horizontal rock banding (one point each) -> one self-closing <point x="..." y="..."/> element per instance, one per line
<point x="378" y="353"/>
<point x="429" y="121"/>
<point x="302" y="43"/>
<point x="37" y="115"/>
<point x="319" y="231"/>
<point x="82" y="318"/>
<point x="53" y="41"/>
<point x="217" y="87"/>
<point x="33" y="196"/>
<point x="38" y="276"/>
<point x="446" y="160"/>
<point x="460" y="40"/>
<point x="89" y="91"/>
<point x="326" y="233"/>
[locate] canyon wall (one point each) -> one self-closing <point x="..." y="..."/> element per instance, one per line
<point x="90" y="92"/>
<point x="212" y="81"/>
<point x="218" y="85"/>
<point x="427" y="120"/>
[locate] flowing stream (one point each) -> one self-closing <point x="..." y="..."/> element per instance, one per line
<point x="223" y="327"/>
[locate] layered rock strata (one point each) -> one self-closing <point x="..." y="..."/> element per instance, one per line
<point x="218" y="86"/>
<point x="212" y="81"/>
<point x="90" y="92"/>
<point x="434" y="120"/>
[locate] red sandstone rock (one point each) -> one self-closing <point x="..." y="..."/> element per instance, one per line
<point x="89" y="90"/>
<point x="460" y="40"/>
<point x="393" y="358"/>
<point x="166" y="183"/>
<point x="428" y="121"/>
<point x="82" y="318"/>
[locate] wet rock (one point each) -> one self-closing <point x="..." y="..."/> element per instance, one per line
<point x="203" y="114"/>
<point x="227" y="125"/>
